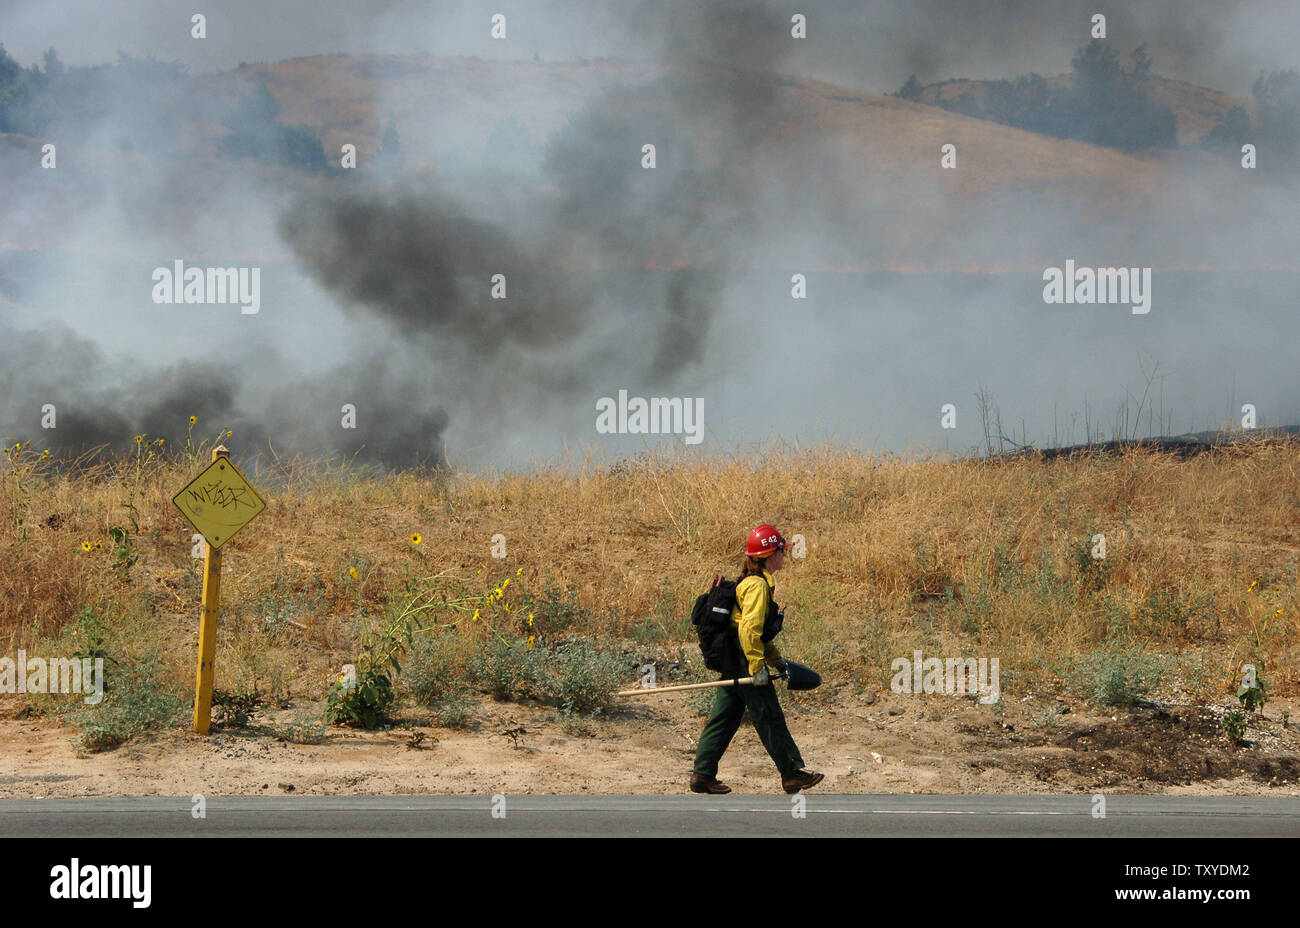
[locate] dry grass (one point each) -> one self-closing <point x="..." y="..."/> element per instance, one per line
<point x="952" y="557"/>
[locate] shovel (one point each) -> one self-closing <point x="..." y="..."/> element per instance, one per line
<point x="797" y="677"/>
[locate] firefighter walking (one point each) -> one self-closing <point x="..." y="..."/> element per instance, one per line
<point x="757" y="621"/>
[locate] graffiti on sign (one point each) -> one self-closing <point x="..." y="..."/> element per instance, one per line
<point x="218" y="493"/>
<point x="219" y="502"/>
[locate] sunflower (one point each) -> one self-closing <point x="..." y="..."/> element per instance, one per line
<point x="138" y="439"/>
<point x="352" y="572"/>
<point x="193" y="419"/>
<point x="85" y="546"/>
<point x="416" y="539"/>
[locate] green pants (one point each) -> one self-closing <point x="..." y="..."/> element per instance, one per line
<point x="729" y="707"/>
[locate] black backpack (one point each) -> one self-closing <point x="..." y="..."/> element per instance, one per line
<point x="719" y="639"/>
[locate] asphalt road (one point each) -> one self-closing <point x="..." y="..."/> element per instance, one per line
<point x="826" y="815"/>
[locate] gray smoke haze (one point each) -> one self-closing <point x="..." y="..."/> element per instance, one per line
<point x="874" y="44"/>
<point x="676" y="281"/>
<point x="418" y="264"/>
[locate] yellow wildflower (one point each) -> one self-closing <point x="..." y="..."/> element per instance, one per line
<point x="138" y="439"/>
<point x="519" y="572"/>
<point x="85" y="546"/>
<point x="415" y="538"/>
<point x="193" y="419"/>
<point x="530" y="640"/>
<point x="352" y="572"/>
<point x="474" y="618"/>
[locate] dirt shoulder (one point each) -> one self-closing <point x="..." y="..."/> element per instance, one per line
<point x="863" y="742"/>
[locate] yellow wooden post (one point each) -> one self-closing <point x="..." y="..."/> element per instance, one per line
<point x="208" y="627"/>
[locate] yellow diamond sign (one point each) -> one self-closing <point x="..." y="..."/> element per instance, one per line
<point x="219" y="502"/>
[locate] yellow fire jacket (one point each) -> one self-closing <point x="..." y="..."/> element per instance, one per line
<point x="752" y="596"/>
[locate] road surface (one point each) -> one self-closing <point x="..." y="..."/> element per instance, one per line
<point x="824" y="815"/>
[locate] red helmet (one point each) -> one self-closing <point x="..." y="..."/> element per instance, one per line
<point x="763" y="541"/>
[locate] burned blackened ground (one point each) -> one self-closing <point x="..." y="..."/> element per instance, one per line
<point x="1136" y="749"/>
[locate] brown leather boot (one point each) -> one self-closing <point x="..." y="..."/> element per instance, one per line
<point x="801" y="780"/>
<point x="704" y="784"/>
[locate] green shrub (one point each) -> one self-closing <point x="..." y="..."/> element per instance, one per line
<point x="511" y="670"/>
<point x="1114" y="675"/>
<point x="586" y="678"/>
<point x="430" y="671"/>
<point x="366" y="700"/>
<point x="363" y="703"/>
<point x="576" y="677"/>
<point x="1234" y="725"/>
<point x="454" y="711"/>
<point x="1253" y="698"/>
<point x="573" y="724"/>
<point x="304" y="729"/>
<point x="136" y="700"/>
<point x="555" y="610"/>
<point x="437" y="680"/>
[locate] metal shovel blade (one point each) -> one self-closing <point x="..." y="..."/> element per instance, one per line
<point x="799" y="677"/>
